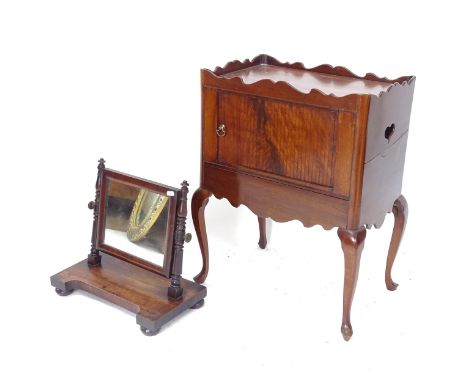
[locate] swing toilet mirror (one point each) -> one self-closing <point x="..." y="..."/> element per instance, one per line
<point x="137" y="220"/>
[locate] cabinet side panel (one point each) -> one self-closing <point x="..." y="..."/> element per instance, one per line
<point x="389" y="118"/>
<point x="382" y="183"/>
<point x="387" y="134"/>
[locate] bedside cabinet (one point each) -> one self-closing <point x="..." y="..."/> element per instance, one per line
<point x="320" y="145"/>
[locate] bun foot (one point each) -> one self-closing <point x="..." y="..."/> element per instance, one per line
<point x="199" y="304"/>
<point x="391" y="285"/>
<point x="346" y="331"/>
<point x="63" y="293"/>
<point x="148" y="332"/>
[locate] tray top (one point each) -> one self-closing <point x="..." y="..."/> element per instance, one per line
<point x="304" y="81"/>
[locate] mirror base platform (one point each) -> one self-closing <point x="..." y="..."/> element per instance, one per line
<point x="131" y="287"/>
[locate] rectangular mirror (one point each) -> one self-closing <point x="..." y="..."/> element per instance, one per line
<point x="136" y="220"/>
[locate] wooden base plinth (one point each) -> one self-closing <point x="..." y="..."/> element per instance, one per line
<point x="132" y="288"/>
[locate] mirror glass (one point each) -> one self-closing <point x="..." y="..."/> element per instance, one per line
<point x="136" y="221"/>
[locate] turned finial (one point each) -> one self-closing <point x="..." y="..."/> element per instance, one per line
<point x="183" y="199"/>
<point x="101" y="164"/>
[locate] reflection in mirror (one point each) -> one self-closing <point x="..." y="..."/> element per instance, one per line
<point x="136" y="221"/>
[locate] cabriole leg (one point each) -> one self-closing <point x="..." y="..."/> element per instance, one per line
<point x="352" y="242"/>
<point x="199" y="201"/>
<point x="400" y="212"/>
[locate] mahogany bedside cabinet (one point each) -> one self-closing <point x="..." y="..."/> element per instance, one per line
<point x="320" y="145"/>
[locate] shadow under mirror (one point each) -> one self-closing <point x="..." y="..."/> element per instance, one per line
<point x="136" y="221"/>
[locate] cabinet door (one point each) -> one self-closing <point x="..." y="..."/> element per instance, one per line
<point x="273" y="138"/>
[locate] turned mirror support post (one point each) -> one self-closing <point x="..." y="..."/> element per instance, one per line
<point x="94" y="258"/>
<point x="175" y="290"/>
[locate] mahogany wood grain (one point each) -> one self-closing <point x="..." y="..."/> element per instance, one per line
<point x="278" y="201"/>
<point x="209" y="118"/>
<point x="400" y="212"/>
<point x="352" y="242"/>
<point x="130" y="287"/>
<point x="262" y="241"/>
<point x="199" y="201"/>
<point x="292" y="141"/>
<point x="343" y="150"/>
<point x="357" y="169"/>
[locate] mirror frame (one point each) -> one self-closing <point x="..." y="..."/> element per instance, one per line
<point x="134" y="181"/>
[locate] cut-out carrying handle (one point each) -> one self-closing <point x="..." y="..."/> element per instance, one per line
<point x="389" y="131"/>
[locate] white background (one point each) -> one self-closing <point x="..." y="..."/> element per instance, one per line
<point x="80" y="80"/>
